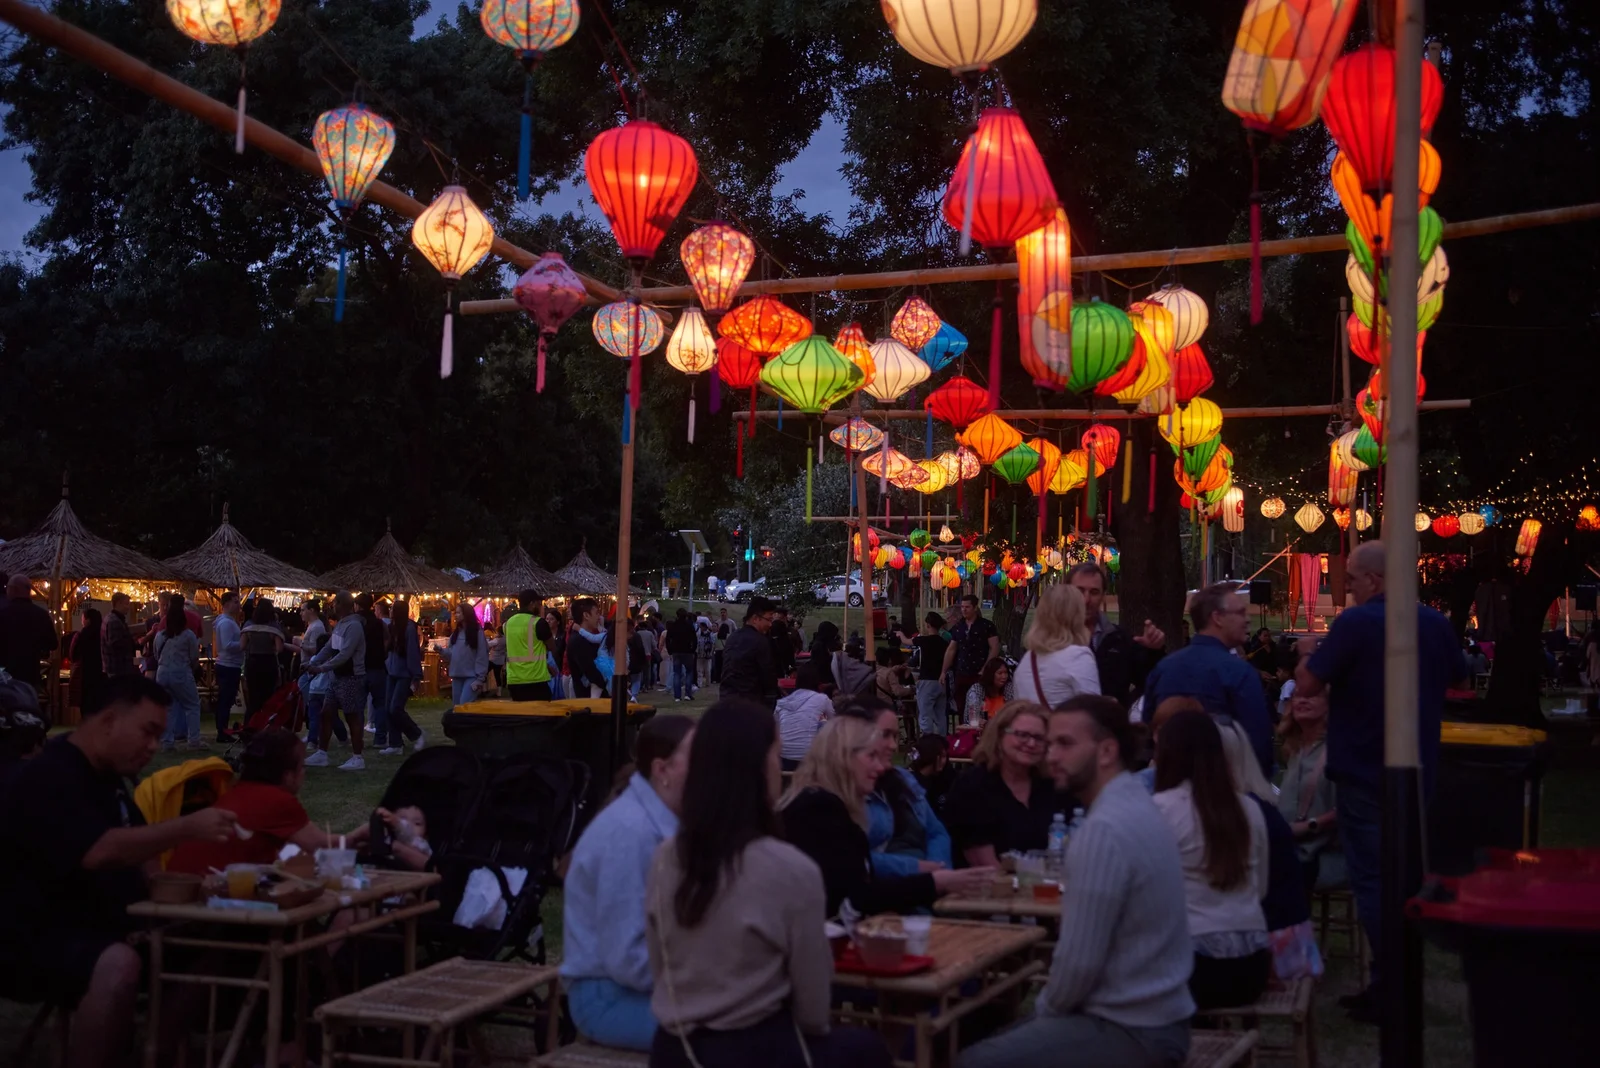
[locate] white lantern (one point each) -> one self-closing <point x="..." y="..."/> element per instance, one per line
<point x="1233" y="510"/>
<point x="959" y="35"/>
<point x="898" y="370"/>
<point x="1309" y="517"/>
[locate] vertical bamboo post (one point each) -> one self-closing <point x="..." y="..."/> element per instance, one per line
<point x="619" y="637"/>
<point x="864" y="553"/>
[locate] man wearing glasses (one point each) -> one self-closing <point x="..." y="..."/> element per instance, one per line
<point x="748" y="669"/>
<point x="1207" y="670"/>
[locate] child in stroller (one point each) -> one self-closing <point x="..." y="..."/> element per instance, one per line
<point x="407" y="832"/>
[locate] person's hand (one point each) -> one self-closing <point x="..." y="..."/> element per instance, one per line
<point x="925" y="866"/>
<point x="966" y="882"/>
<point x="1151" y="637"/>
<point x="210" y="825"/>
<point x="413" y="689"/>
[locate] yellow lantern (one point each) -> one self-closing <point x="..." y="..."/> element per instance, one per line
<point x="959" y="35"/>
<point x="880" y="558"/>
<point x="990" y="438"/>
<point x="1423" y="521"/>
<point x="1364" y="519"/>
<point x="1471" y="523"/>
<point x="453" y="235"/>
<point x="1155" y="326"/>
<point x="1272" y="507"/>
<point x="1309" y="517"/>
<point x="897" y="370"/>
<point x="1233" y="510"/>
<point x="1528" y="537"/>
<point x="1198" y="421"/>
<point x="230" y="23"/>
<point x="938" y="478"/>
<point x="1190" y="316"/>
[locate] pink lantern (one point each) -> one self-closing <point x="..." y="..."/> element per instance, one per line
<point x="550" y="292"/>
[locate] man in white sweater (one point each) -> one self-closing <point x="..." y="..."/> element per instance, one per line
<point x="1118" y="993"/>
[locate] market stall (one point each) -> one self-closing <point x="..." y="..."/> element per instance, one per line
<point x="502" y="584"/>
<point x="590" y="580"/>
<point x="227" y="561"/>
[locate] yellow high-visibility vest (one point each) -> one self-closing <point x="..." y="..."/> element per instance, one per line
<point x="525" y="654"/>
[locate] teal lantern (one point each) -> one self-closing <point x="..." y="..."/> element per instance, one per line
<point x="944" y="349"/>
<point x="1366" y="449"/>
<point x="1017" y="463"/>
<point x="626" y="329"/>
<point x="353" y="143"/>
<point x="811" y="375"/>
<point x="919" y="538"/>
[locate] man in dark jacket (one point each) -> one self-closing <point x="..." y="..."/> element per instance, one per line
<point x="26" y="634"/>
<point x="747" y="666"/>
<point x="583" y="646"/>
<point x="681" y="646"/>
<point x="377" y="658"/>
<point x="782" y="639"/>
<point x="1124" y="658"/>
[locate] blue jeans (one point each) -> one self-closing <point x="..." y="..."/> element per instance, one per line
<point x="397" y="720"/>
<point x="932" y="707"/>
<point x="461" y="692"/>
<point x="314" y="702"/>
<point x="378" y="695"/>
<point x="637" y="682"/>
<point x="227" y="693"/>
<point x="682" y="675"/>
<point x="1094" y="1042"/>
<point x="611" y="1014"/>
<point x="1361" y="832"/>
<point x="183" y="715"/>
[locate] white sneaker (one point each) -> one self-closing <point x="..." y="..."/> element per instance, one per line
<point x="390" y="750"/>
<point x="370" y="729"/>
<point x="319" y="759"/>
<point x="355" y="763"/>
<point x="421" y="742"/>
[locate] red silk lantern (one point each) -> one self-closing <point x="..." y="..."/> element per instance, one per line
<point x="1359" y="110"/>
<point x="1102" y="442"/>
<point x="1129" y="372"/>
<point x="1191" y="373"/>
<point x="740" y="368"/>
<point x="1000" y="190"/>
<point x="640" y="176"/>
<point x="1365" y="341"/>
<point x="1447" y="526"/>
<point x="958" y="402"/>
<point x="765" y="324"/>
<point x="1044" y="267"/>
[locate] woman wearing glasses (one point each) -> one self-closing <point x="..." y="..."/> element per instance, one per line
<point x="1006" y="800"/>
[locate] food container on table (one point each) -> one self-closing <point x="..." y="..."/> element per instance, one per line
<point x="174" y="888"/>
<point x="301" y="866"/>
<point x="918" y="930"/>
<point x="241" y="880"/>
<point x="881" y="951"/>
<point x="333" y="865"/>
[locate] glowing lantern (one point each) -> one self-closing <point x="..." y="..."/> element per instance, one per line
<point x="1430" y="231"/>
<point x="1359" y="110"/>
<point x="811" y="375"/>
<point x="990" y="437"/>
<point x="1371" y="218"/>
<point x="353" y="143"/>
<point x="888" y="463"/>
<point x="938" y="478"/>
<point x="1044" y="267"/>
<point x="1491" y="514"/>
<point x="453" y="235"/>
<point x="1102" y="442"/>
<point x="532" y="27"/>
<point x="852" y="345"/>
<point x="944" y="348"/>
<point x="230" y="23"/>
<point x="1127" y="374"/>
<point x="1366" y="451"/>
<point x="1156" y="324"/>
<point x="1191" y="373"/>
<point x="1371" y="409"/>
<point x="717" y="259"/>
<point x="912" y="477"/>
<point x="958" y="402"/>
<point x="1099" y="339"/>
<point x="855" y="542"/>
<point x="737" y="366"/>
<point x="946" y="535"/>
<point x="915" y="324"/>
<point x="1430" y="281"/>
<point x="1049" y="460"/>
<point x="1156" y="374"/>
<point x="959" y="35"/>
<point x="1344" y="448"/>
<point x="1071" y="472"/>
<point x="1342" y="479"/>
<point x="897" y="561"/>
<point x="1309" y="517"/>
<point x="961" y="464"/>
<point x="1363" y="519"/>
<point x="1272" y="507"/>
<point x="624" y="329"/>
<point x="1000" y="190"/>
<point x="1365" y="342"/>
<point x="1160" y="401"/>
<point x="641" y="176"/>
<point x="692" y="349"/>
<point x="551" y="293"/>
<point x="1341" y="518"/>
<point x="898" y="370"/>
<point x="1470" y="523"/>
<point x="1528" y="537"/>
<point x="1447" y="526"/>
<point x="1588" y="518"/>
<point x="1281" y="57"/>
<point x="1423" y="521"/>
<point x="1190" y="316"/>
<point x="1215" y="475"/>
<point x="856" y="435"/>
<point x="765" y="325"/>
<point x="1194" y="424"/>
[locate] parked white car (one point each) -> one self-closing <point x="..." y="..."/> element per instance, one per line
<point x="840" y="590"/>
<point x="739" y="590"/>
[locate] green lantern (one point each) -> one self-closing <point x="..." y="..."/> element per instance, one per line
<point x="1102" y="341"/>
<point x="929" y="558"/>
<point x="811" y="375"/>
<point x="1215" y="496"/>
<point x="1114" y="564"/>
<point x="1198" y="457"/>
<point x="1427" y="312"/>
<point x="1017" y="464"/>
<point x="1366" y="449"/>
<point x="919" y="538"/>
<point x="1430" y="231"/>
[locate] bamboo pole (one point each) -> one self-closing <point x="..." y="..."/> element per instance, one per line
<point x="884" y="415"/>
<point x="117" y="63"/>
<point x="863" y="552"/>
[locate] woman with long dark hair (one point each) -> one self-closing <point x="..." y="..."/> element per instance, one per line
<point x="403" y="663"/>
<point x="263" y="640"/>
<point x="88" y="672"/>
<point x="177" y="651"/>
<point x="1222" y="841"/>
<point x="468" y="656"/>
<point x="992" y="692"/>
<point x="742" y="969"/>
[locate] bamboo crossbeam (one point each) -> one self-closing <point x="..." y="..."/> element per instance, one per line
<point x="884" y="415"/>
<point x="117" y="63"/>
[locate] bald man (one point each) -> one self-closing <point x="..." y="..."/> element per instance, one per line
<point x="1348" y="664"/>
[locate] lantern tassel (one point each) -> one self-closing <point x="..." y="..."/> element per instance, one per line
<point x="716" y="393"/>
<point x="780" y="415"/>
<point x="1255" y="235"/>
<point x="538" y="377"/>
<point x="635" y="380"/>
<point x="525" y="148"/>
<point x="338" y="291"/>
<point x="447" y="349"/>
<point x="238" y="133"/>
<point x="738" y="465"/>
<point x="1127" y="471"/>
<point x="808" y="482"/>
<point x="627" y="419"/>
<point x="691" y="418"/>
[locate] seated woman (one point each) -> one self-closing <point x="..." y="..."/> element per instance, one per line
<point x="904" y="834"/>
<point x="930" y="763"/>
<point x="801" y="713"/>
<point x="1005" y="801"/>
<point x="825" y="817"/>
<point x="1222" y="842"/>
<point x="742" y="970"/>
<point x="991" y="693"/>
<point x="606" y="967"/>
<point x="1306" y="798"/>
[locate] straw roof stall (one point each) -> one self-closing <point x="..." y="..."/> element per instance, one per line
<point x="60" y="548"/>
<point x="518" y="572"/>
<point x="582" y="573"/>
<point x="227" y="560"/>
<point x="389" y="569"/>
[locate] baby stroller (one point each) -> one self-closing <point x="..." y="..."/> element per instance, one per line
<point x="286" y="708"/>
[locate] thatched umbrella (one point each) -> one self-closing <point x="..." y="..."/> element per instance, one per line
<point x="61" y="549"/>
<point x="389" y="569"/>
<point x="582" y="573"/>
<point x="227" y="560"/>
<point x="518" y="572"/>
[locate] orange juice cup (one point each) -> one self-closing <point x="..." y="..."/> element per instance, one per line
<point x="1047" y="890"/>
<point x="242" y="880"/>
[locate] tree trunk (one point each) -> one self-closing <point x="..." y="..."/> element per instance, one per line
<point x="1152" y="582"/>
<point x="1519" y="662"/>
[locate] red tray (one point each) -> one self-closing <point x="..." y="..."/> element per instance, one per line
<point x="850" y="961"/>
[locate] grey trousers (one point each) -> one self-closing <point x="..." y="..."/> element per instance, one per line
<point x="932" y="717"/>
<point x="1079" y="1041"/>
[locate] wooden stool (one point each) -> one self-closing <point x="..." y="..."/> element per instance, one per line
<point x="1221" y="1049"/>
<point x="1334" y="912"/>
<point x="441" y="998"/>
<point x="586" y="1055"/>
<point x="1293" y="1003"/>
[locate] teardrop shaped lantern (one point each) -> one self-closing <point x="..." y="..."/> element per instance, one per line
<point x="231" y="24"/>
<point x="1191" y="373"/>
<point x="1190" y="315"/>
<point x="959" y="35"/>
<point x="1470" y="523"/>
<point x="810" y="375"/>
<point x="943" y="349"/>
<point x="1049" y="460"/>
<point x="989" y="438"/>
<point x="898" y="370"/>
<point x="692" y="349"/>
<point x="946" y="535"/>
<point x="1447" y="526"/>
<point x="958" y="402"/>
<point x="1016" y="463"/>
<point x="1272" y="507"/>
<point x="1359" y="108"/>
<point x="1044" y="267"/>
<point x="856" y="435"/>
<point x="765" y="325"/>
<point x="1102" y="442"/>
<point x="353" y="143"/>
<point x="1000" y="190"/>
<point x="551" y="293"/>
<point x="915" y="324"/>
<point x="532" y="28"/>
<point x="641" y="176"/>
<point x="1309" y="517"/>
<point x="717" y="259"/>
<point x="853" y="345"/>
<point x="1156" y="373"/>
<point x="453" y="235"/>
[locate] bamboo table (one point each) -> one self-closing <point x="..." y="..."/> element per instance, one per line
<point x="1018" y="904"/>
<point x="288" y="938"/>
<point x="994" y="955"/>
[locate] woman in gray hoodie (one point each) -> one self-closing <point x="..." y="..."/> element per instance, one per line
<point x="345" y="656"/>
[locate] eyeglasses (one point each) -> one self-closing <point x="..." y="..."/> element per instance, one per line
<point x="1026" y="737"/>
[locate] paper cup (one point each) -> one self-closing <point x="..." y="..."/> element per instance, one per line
<point x="917" y="929"/>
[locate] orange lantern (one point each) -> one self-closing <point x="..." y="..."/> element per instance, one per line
<point x="765" y="325"/>
<point x="990" y="438"/>
<point x="1102" y="442"/>
<point x="1447" y="526"/>
<point x="1049" y="460"/>
<point x="915" y="324"/>
<point x="1044" y="267"/>
<point x="1588" y="518"/>
<point x="1341" y="518"/>
<point x="853" y="345"/>
<point x="1528" y="537"/>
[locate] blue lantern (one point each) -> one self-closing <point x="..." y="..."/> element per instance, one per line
<point x="1491" y="515"/>
<point x="943" y="348"/>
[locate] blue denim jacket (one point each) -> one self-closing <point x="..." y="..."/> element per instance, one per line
<point x="1225" y="684"/>
<point x="880" y="828"/>
<point x="603" y="906"/>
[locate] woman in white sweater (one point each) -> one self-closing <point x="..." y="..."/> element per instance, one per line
<point x="1059" y="663"/>
<point x="1222" y="841"/>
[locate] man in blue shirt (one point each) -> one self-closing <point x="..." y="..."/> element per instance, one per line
<point x="1207" y="670"/>
<point x="1349" y="663"/>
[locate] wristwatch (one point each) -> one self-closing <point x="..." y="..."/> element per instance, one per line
<point x="1311" y="825"/>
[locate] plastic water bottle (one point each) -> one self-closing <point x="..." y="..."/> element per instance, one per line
<point x="1078" y="816"/>
<point x="1056" y="842"/>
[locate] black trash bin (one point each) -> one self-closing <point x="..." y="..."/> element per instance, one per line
<point x="1527" y="928"/>
<point x="1486" y="795"/>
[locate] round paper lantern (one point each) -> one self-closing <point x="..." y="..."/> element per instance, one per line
<point x="888" y="463"/>
<point x="1470" y="523"/>
<point x="1099" y="338"/>
<point x="811" y="375"/>
<point x="918" y="538"/>
<point x="989" y="438"/>
<point x="961" y="464"/>
<point x="624" y="328"/>
<point x="1272" y="507"/>
<point x="1191" y="373"/>
<point x="1156" y="324"/>
<point x="1309" y="517"/>
<point x="1190" y="316"/>
<point x="958" y="402"/>
<point x="928" y="559"/>
<point x="882" y="556"/>
<point x="856" y="435"/>
<point x="1018" y="573"/>
<point x="855" y="542"/>
<point x="938" y="477"/>
<point x="1363" y="519"/>
<point x="1102" y="442"/>
<point x="1049" y="460"/>
<point x="453" y="235"/>
<point x="1491" y="514"/>
<point x="1000" y="190"/>
<point x="898" y="370"/>
<point x="897" y="561"/>
<point x="959" y="35"/>
<point x="736" y="365"/>
<point x="551" y="293"/>
<point x="915" y="324"/>
<point x="1365" y="342"/>
<point x="641" y="176"/>
<point x="230" y="23"/>
<point x="1213" y="476"/>
<point x="692" y="347"/>
<point x="1358" y="108"/>
<point x="1447" y="526"/>
<point x="1281" y="57"/>
<point x="717" y="259"/>
<point x="1194" y="424"/>
<point x="1044" y="267"/>
<point x="1430" y="231"/>
<point x="765" y="324"/>
<point x="1528" y="537"/>
<point x="952" y="578"/>
<point x="944" y="348"/>
<point x="936" y="574"/>
<point x="853" y="346"/>
<point x="1423" y="521"/>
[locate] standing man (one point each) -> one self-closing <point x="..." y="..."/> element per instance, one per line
<point x="117" y="647"/>
<point x="974" y="642"/>
<point x="782" y="642"/>
<point x="1207" y="670"/>
<point x="376" y="679"/>
<point x="1350" y="660"/>
<point x="725" y="620"/>
<point x="747" y="667"/>
<point x="1124" y="658"/>
<point x="27" y="636"/>
<point x="933" y="707"/>
<point x="681" y="647"/>
<point x="228" y="648"/>
<point x="527" y="638"/>
<point x="583" y="647"/>
<point x="345" y="656"/>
